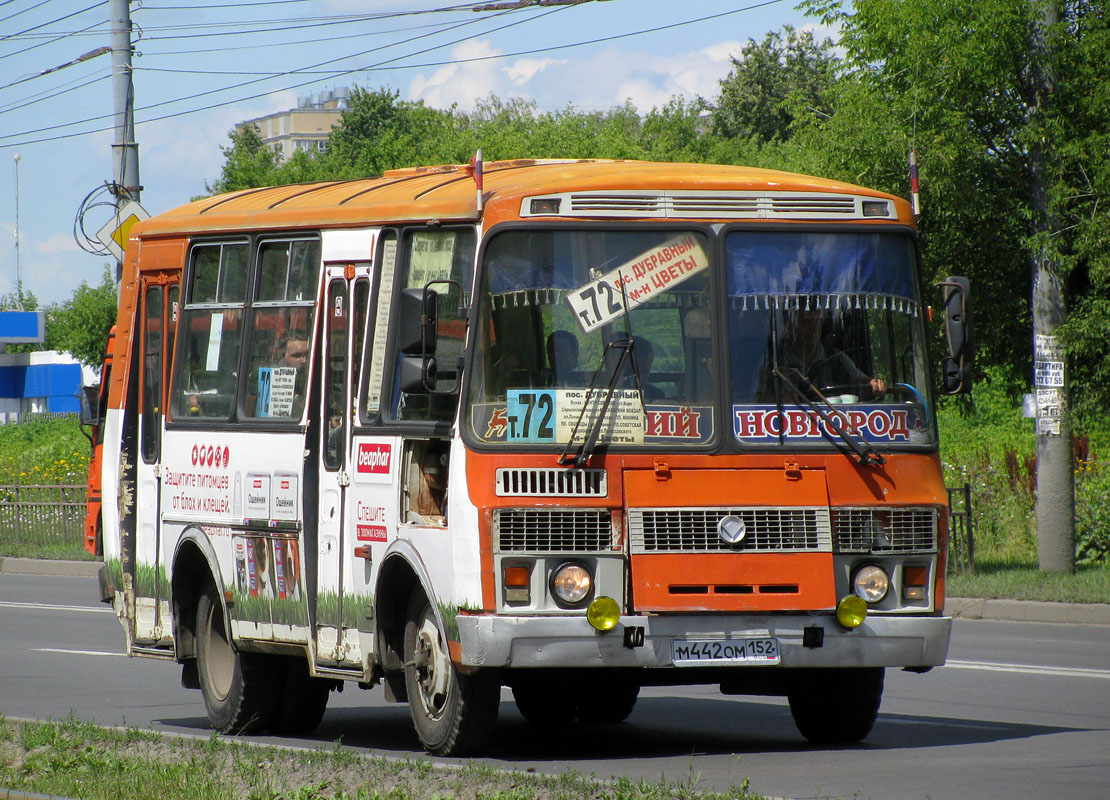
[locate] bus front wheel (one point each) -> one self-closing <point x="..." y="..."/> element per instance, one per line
<point x="836" y="706"/>
<point x="453" y="714"/>
<point x="238" y="693"/>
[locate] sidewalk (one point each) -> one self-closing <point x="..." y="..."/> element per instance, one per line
<point x="958" y="607"/>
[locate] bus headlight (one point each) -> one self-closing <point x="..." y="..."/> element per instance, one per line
<point x="571" y="583"/>
<point x="871" y="583"/>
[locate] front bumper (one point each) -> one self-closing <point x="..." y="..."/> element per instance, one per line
<point x="566" y="642"/>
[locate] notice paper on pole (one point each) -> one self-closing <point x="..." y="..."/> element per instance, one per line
<point x="114" y="233"/>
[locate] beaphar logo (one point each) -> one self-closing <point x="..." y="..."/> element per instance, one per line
<point x="373" y="459"/>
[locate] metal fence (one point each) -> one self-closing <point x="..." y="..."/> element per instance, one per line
<point x="961" y="534"/>
<point x="42" y="515"/>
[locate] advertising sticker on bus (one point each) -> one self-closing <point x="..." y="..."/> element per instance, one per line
<point x="652" y="272"/>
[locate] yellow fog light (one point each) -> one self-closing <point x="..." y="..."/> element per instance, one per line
<point x="851" y="611"/>
<point x="604" y="613"/>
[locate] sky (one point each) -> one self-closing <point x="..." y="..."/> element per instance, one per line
<point x="202" y="67"/>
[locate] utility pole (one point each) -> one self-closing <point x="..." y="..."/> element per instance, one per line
<point x="18" y="266"/>
<point x="125" y="150"/>
<point x="1055" y="478"/>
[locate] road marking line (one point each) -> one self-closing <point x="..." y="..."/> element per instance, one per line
<point x="52" y="607"/>
<point x="1031" y="669"/>
<point x="76" y="652"/>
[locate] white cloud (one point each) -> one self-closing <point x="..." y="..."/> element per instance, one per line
<point x="524" y="69"/>
<point x="58" y="243"/>
<point x="461" y="83"/>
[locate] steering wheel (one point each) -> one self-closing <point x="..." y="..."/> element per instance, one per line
<point x="910" y="389"/>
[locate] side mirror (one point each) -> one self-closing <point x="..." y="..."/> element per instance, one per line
<point x="418" y="375"/>
<point x="90" y="405"/>
<point x="417" y="331"/>
<point x="959" y="331"/>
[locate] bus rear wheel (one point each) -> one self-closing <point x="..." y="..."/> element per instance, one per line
<point x="836" y="706"/>
<point x="237" y="687"/>
<point x="453" y="714"/>
<point x="304" y="699"/>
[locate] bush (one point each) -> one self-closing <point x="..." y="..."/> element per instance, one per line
<point x="989" y="445"/>
<point x="1092" y="512"/>
<point x="44" y="449"/>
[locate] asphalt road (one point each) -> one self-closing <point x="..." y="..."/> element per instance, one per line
<point x="1022" y="710"/>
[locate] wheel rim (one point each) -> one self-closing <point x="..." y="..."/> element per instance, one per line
<point x="432" y="666"/>
<point x="219" y="659"/>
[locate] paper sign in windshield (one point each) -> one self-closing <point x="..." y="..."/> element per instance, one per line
<point x="552" y="415"/>
<point x="634" y="282"/>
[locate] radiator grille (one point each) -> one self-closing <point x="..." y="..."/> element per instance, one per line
<point x="551" y="483"/>
<point x="884" y="530"/>
<point x="694" y="530"/>
<point x="552" y="530"/>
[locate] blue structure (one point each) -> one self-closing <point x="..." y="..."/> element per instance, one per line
<point x="54" y="387"/>
<point x="21" y="327"/>
<point x="35" y="382"/>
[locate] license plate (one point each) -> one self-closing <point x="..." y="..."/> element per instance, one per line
<point x="704" y="652"/>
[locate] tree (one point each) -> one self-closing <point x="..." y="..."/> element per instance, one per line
<point x="770" y="80"/>
<point x="249" y="162"/>
<point x="80" y="326"/>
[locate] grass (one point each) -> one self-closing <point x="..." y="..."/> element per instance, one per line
<point x="76" y="759"/>
<point x="51" y="551"/>
<point x="1090" y="583"/>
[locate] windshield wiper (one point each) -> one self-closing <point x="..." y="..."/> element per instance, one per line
<point x="582" y="457"/>
<point x="864" y="452"/>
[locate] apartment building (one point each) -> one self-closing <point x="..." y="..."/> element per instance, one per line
<point x="305" y="127"/>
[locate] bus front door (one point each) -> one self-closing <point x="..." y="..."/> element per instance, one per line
<point x="149" y="580"/>
<point x="340" y="578"/>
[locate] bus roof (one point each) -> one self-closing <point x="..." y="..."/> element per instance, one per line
<point x="448" y="193"/>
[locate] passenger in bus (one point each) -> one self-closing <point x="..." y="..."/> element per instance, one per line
<point x="295" y="351"/>
<point x="562" y="358"/>
<point x="289" y="366"/>
<point x="804" y="348"/>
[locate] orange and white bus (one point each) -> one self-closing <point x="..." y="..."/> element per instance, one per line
<point x="568" y="427"/>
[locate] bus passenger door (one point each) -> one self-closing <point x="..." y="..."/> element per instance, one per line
<point x="150" y="583"/>
<point x="337" y="617"/>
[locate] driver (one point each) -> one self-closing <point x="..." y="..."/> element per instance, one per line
<point x="803" y="348"/>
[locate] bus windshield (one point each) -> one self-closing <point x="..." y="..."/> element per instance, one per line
<point x="608" y="334"/>
<point x="626" y="311"/>
<point x="824" y="323"/>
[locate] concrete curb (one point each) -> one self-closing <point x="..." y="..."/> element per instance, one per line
<point x="43" y="566"/>
<point x="958" y="607"/>
<point x="1027" y="611"/>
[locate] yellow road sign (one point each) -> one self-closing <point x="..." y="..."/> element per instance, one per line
<point x="114" y="233"/>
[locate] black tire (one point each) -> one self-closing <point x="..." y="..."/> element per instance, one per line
<point x="304" y="699"/>
<point x="453" y="714"/>
<point x="543" y="704"/>
<point x="606" y="701"/>
<point x="836" y="706"/>
<point x="238" y="688"/>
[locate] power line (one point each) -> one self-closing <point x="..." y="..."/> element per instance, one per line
<point x="22" y="11"/>
<point x="48" y="94"/>
<point x="374" y="67"/>
<point x="51" y="22"/>
<point x="337" y="73"/>
<point x="289" y="43"/>
<point x="58" y="38"/>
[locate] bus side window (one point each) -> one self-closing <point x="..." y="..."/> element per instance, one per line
<point x="280" y="334"/>
<point x="435" y="256"/>
<point x="211" y="329"/>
